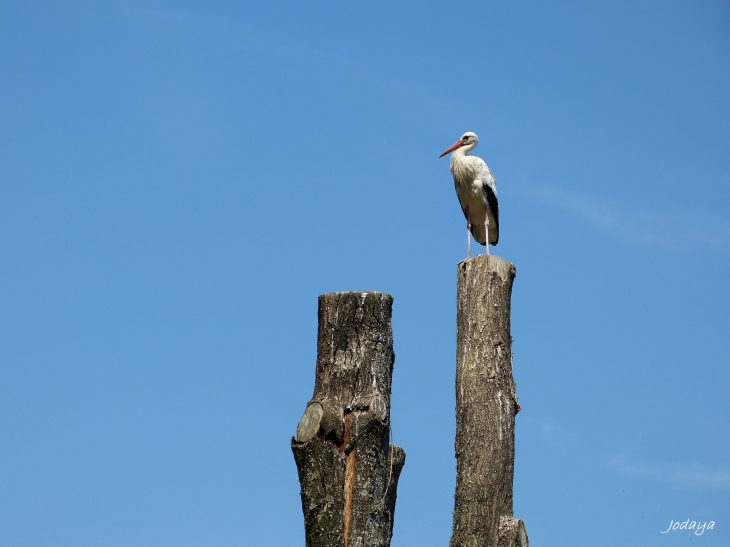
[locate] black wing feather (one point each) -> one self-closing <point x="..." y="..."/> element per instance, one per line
<point x="494" y="206"/>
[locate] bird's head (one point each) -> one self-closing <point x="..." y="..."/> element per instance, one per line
<point x="468" y="141"/>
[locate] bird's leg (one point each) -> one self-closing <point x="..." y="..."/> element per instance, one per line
<point x="468" y="239"/>
<point x="486" y="228"/>
<point x="468" y="234"/>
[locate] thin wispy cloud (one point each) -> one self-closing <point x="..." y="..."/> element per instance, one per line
<point x="692" y="475"/>
<point x="637" y="227"/>
<point x="240" y="37"/>
<point x="173" y="16"/>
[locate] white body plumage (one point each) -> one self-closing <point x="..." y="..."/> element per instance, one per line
<point x="476" y="189"/>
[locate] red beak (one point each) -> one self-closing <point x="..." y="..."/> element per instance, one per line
<point x="457" y="144"/>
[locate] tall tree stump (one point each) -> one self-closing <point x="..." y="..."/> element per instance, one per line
<point x="348" y="470"/>
<point x="486" y="404"/>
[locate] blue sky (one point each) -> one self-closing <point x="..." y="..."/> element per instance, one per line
<point x="180" y="181"/>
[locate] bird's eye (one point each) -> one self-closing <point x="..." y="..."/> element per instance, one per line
<point x="465" y="139"/>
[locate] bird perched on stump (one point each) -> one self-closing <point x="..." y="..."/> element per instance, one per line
<point x="476" y="189"/>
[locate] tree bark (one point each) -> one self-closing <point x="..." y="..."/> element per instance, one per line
<point x="348" y="470"/>
<point x="486" y="404"/>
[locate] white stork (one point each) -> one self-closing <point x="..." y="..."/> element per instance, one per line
<point x="476" y="189"/>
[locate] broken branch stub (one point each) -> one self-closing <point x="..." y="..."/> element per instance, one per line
<point x="348" y="471"/>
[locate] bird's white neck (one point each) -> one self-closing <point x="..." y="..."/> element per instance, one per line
<point x="458" y="156"/>
<point x="462" y="166"/>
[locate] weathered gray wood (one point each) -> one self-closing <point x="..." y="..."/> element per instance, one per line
<point x="348" y="470"/>
<point x="512" y="533"/>
<point x="486" y="404"/>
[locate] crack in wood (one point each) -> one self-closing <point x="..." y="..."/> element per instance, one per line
<point x="349" y="478"/>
